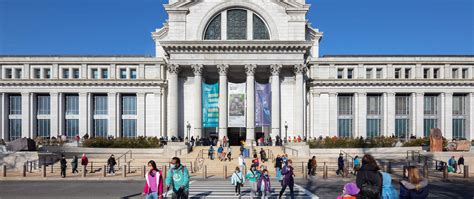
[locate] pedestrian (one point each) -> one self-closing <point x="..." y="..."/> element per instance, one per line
<point x="264" y="184"/>
<point x="241" y="162"/>
<point x="278" y="165"/>
<point x="84" y="161"/>
<point x="255" y="162"/>
<point x="111" y="163"/>
<point x="350" y="191"/>
<point x="210" y="153"/>
<point x="219" y="152"/>
<point x="356" y="165"/>
<point x="237" y="180"/>
<point x="388" y="191"/>
<point x="63" y="166"/>
<point x="74" y="163"/>
<point x="461" y="164"/>
<point x="452" y="165"/>
<point x="192" y="141"/>
<point x="299" y="138"/>
<point x="229" y="155"/>
<point x="263" y="155"/>
<point x="224" y="140"/>
<point x="340" y="164"/>
<point x="178" y="177"/>
<point x="415" y="187"/>
<point x="288" y="179"/>
<point x="312" y="166"/>
<point x="252" y="176"/>
<point x="369" y="179"/>
<point x="153" y="188"/>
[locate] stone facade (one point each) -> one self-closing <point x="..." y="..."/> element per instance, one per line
<point x="311" y="95"/>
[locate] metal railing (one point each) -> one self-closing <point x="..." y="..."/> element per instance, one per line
<point x="293" y="151"/>
<point x="124" y="156"/>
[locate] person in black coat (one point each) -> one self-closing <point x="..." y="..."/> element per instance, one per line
<point x="63" y="166"/>
<point x="340" y="164"/>
<point x="111" y="163"/>
<point x="369" y="179"/>
<point x="461" y="164"/>
<point x="415" y="187"/>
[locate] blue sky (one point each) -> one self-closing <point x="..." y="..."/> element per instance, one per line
<point x="106" y="27"/>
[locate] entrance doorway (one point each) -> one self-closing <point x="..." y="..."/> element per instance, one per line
<point x="236" y="135"/>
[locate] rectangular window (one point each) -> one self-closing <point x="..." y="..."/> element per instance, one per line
<point x="465" y="73"/>
<point x="345" y="105"/>
<point x="407" y="73"/>
<point x="236" y="24"/>
<point x="129" y="127"/>
<point x="374" y="115"/>
<point x="129" y="105"/>
<point x="43" y="105"/>
<point x="368" y="73"/>
<point x="8" y="73"/>
<point x="100" y="127"/>
<point x="460" y="114"/>
<point x="100" y="105"/>
<point x="431" y="105"/>
<point x="426" y="73"/>
<point x="345" y="117"/>
<point x="373" y="127"/>
<point x="75" y="73"/>
<point x="15" y="104"/>
<point x="374" y="104"/>
<point x="455" y="73"/>
<point x="350" y="73"/>
<point x="105" y="73"/>
<point x="72" y="105"/>
<point x="133" y="73"/>
<point x="18" y="73"/>
<point x="95" y="73"/>
<point x="402" y="105"/>
<point x="378" y="73"/>
<point x="47" y="73"/>
<point x="459" y="105"/>
<point x="340" y="73"/>
<point x="402" y="115"/>
<point x="65" y="73"/>
<point x="43" y="128"/>
<point x="72" y="127"/>
<point x="459" y="128"/>
<point x="344" y="127"/>
<point x="123" y="73"/>
<point x="436" y="73"/>
<point x="428" y="125"/>
<point x="36" y="73"/>
<point x="398" y="72"/>
<point x="402" y="127"/>
<point x="14" y="129"/>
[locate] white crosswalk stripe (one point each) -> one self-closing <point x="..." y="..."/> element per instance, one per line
<point x="223" y="189"/>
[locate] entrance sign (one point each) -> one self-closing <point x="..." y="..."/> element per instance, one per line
<point x="236" y="106"/>
<point x="210" y="105"/>
<point x="262" y="105"/>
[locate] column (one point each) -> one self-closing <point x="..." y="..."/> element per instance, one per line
<point x="141" y="112"/>
<point x="332" y="115"/>
<point x="222" y="100"/>
<point x="25" y="115"/>
<point x="418" y="114"/>
<point x="61" y="113"/>
<point x="172" y="119"/>
<point x="83" y="112"/>
<point x="300" y="70"/>
<point x="112" y="114"/>
<point x="54" y="114"/>
<point x="112" y="71"/>
<point x="389" y="119"/>
<point x="361" y="114"/>
<point x="275" y="84"/>
<point x="197" y="69"/>
<point x="250" y="71"/>
<point x="448" y="116"/>
<point x="470" y="130"/>
<point x="3" y="117"/>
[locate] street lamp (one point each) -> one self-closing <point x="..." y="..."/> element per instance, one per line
<point x="188" y="126"/>
<point x="286" y="132"/>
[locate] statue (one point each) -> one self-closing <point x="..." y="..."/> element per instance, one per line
<point x="436" y="140"/>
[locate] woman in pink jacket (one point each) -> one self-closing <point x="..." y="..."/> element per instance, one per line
<point x="153" y="188"/>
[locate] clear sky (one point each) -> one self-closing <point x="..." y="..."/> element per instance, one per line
<point x="106" y="27"/>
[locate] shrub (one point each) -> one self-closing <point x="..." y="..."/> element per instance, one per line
<point x="139" y="142"/>
<point x="338" y="142"/>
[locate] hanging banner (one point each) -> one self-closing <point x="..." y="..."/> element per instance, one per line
<point x="210" y="105"/>
<point x="262" y="105"/>
<point x="236" y="105"/>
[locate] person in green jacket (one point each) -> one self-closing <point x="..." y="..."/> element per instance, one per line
<point x="178" y="177"/>
<point x="252" y="175"/>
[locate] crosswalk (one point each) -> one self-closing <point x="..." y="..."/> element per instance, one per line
<point x="223" y="189"/>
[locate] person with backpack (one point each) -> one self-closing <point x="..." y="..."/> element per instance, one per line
<point x="210" y="153"/>
<point x="219" y="152"/>
<point x="253" y="175"/>
<point x="153" y="188"/>
<point x="63" y="166"/>
<point x="111" y="163"/>
<point x="278" y="165"/>
<point x="415" y="187"/>
<point x="388" y="191"/>
<point x="255" y="162"/>
<point x="288" y="179"/>
<point x="237" y="180"/>
<point x="340" y="165"/>
<point x="369" y="179"/>
<point x="356" y="165"/>
<point x="178" y="177"/>
<point x="264" y="185"/>
<point x="74" y="163"/>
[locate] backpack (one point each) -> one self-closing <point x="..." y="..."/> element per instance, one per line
<point x="368" y="189"/>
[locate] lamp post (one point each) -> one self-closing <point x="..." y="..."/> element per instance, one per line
<point x="286" y="132"/>
<point x="188" y="126"/>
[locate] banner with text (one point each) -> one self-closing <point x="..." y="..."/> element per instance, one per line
<point x="210" y="105"/>
<point x="236" y="104"/>
<point x="262" y="105"/>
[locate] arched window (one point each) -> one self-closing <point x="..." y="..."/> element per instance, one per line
<point x="236" y="26"/>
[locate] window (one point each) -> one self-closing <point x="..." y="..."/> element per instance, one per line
<point x="47" y="73"/>
<point x="398" y="72"/>
<point x="402" y="105"/>
<point x="426" y="73"/>
<point x="129" y="128"/>
<point x="213" y="31"/>
<point x="129" y="108"/>
<point x="236" y="24"/>
<point x="72" y="104"/>
<point x="260" y="30"/>
<point x="105" y="73"/>
<point x="14" y="129"/>
<point x="133" y="73"/>
<point x="374" y="115"/>
<point x="345" y="117"/>
<point x="378" y="73"/>
<point x="129" y="105"/>
<point x="15" y="104"/>
<point x="43" y="128"/>
<point x="465" y="73"/>
<point x="75" y="73"/>
<point x="43" y="105"/>
<point x="455" y="73"/>
<point x="123" y="73"/>
<point x="95" y="73"/>
<point x="100" y="105"/>
<point x="350" y="72"/>
<point x="36" y="73"/>
<point x="100" y="127"/>
<point x="18" y="73"/>
<point x="72" y="127"/>
<point x="460" y="114"/>
<point x="368" y="73"/>
<point x="430" y="113"/>
<point x="8" y="73"/>
<point x="407" y="73"/>
<point x="65" y="73"/>
<point x="436" y="73"/>
<point x="374" y="104"/>
<point x="340" y="73"/>
<point x="402" y="115"/>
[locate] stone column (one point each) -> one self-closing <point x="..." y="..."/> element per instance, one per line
<point x="54" y="114"/>
<point x="390" y="116"/>
<point x="83" y="115"/>
<point x="141" y="114"/>
<point x="250" y="70"/>
<point x="300" y="70"/>
<point x="172" y="119"/>
<point x="448" y="116"/>
<point x="332" y="110"/>
<point x="3" y="117"/>
<point x="470" y="130"/>
<point x="222" y="68"/>
<point x="112" y="114"/>
<point x="418" y="114"/>
<point x="197" y="69"/>
<point x="275" y="69"/>
<point x="361" y="114"/>
<point x="25" y="115"/>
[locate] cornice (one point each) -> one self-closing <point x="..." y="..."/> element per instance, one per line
<point x="79" y="83"/>
<point x="79" y="60"/>
<point x="390" y="82"/>
<point x="236" y="46"/>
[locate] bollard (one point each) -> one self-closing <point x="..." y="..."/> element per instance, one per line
<point x="44" y="171"/>
<point x="92" y="167"/>
<point x="84" y="171"/>
<point x="128" y="167"/>
<point x="413" y="155"/>
<point x="204" y="172"/>
<point x="124" y="171"/>
<point x="104" y="170"/>
<point x="164" y="173"/>
<point x="466" y="171"/>
<point x="191" y="166"/>
<point x="24" y="170"/>
<point x="4" y="170"/>
<point x="305" y="173"/>
<point x="425" y="171"/>
<point x="52" y="165"/>
<point x="225" y="172"/>
<point x="31" y="167"/>
<point x="144" y="171"/>
<point x="445" y="173"/>
<point x="302" y="167"/>
<point x="325" y="171"/>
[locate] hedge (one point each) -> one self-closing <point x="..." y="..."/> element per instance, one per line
<point x="337" y="142"/>
<point x="139" y="142"/>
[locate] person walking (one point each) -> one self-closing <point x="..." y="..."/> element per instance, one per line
<point x="388" y="191"/>
<point x="415" y="187"/>
<point x="263" y="155"/>
<point x="178" y="177"/>
<point x="74" y="163"/>
<point x="264" y="184"/>
<point x="356" y="165"/>
<point x="63" y="166"/>
<point x="153" y="188"/>
<point x="288" y="179"/>
<point x="225" y="141"/>
<point x="461" y="164"/>
<point x="312" y="167"/>
<point x="340" y="164"/>
<point x="210" y="153"/>
<point x="252" y="176"/>
<point x="255" y="162"/>
<point x="237" y="180"/>
<point x="241" y="161"/>
<point x="278" y="165"/>
<point x="219" y="152"/>
<point x="350" y="191"/>
<point x="369" y="179"/>
<point x="84" y="161"/>
<point x="111" y="163"/>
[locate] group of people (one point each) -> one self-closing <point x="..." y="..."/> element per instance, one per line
<point x="373" y="183"/>
<point x="177" y="180"/>
<point x="455" y="166"/>
<point x="74" y="164"/>
<point x="222" y="154"/>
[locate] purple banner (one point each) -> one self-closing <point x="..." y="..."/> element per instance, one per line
<point x="262" y="105"/>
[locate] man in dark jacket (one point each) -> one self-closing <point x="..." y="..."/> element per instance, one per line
<point x="63" y="166"/>
<point x="111" y="162"/>
<point x="74" y="165"/>
<point x="461" y="164"/>
<point x="340" y="164"/>
<point x="369" y="179"/>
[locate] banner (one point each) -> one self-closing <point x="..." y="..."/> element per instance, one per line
<point x="210" y="105"/>
<point x="262" y="105"/>
<point x="236" y="105"/>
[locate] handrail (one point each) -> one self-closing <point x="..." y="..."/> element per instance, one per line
<point x="292" y="151"/>
<point x="199" y="161"/>
<point x="124" y="155"/>
<point x="347" y="161"/>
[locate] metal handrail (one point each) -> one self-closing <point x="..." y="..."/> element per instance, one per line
<point x="124" y="155"/>
<point x="347" y="161"/>
<point x="292" y="151"/>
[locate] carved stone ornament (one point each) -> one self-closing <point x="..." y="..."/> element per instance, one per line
<point x="250" y="69"/>
<point x="436" y="140"/>
<point x="173" y="69"/>
<point x="197" y="69"/>
<point x="300" y="69"/>
<point x="222" y="68"/>
<point x="275" y="69"/>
